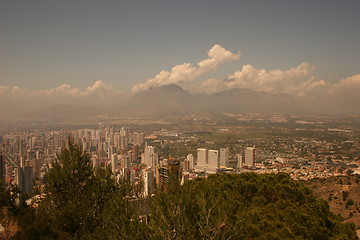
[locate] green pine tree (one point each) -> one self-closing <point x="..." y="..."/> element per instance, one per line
<point x="75" y="197"/>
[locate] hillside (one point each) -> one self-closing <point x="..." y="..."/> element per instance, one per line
<point x="245" y="206"/>
<point x="342" y="194"/>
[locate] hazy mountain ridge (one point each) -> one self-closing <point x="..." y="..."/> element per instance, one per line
<point x="163" y="100"/>
<point x="175" y="99"/>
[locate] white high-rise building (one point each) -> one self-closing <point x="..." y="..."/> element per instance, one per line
<point x="117" y="140"/>
<point x="213" y="160"/>
<point x="202" y="158"/>
<point x="114" y="162"/>
<point x="149" y="157"/>
<point x="123" y="142"/>
<point x="126" y="162"/>
<point x="240" y="161"/>
<point x="250" y="156"/>
<point x="138" y="138"/>
<point x="186" y="165"/>
<point x="125" y="133"/>
<point x="224" y="157"/>
<point x="190" y="158"/>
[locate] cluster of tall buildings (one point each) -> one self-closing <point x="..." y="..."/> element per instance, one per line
<point x="214" y="160"/>
<point x="158" y="172"/>
<point x="211" y="160"/>
<point x="26" y="157"/>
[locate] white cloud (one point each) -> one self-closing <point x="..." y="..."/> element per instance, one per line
<point x="270" y="81"/>
<point x="352" y="82"/>
<point x="186" y="73"/>
<point x="11" y="92"/>
<point x="347" y="89"/>
<point x="98" y="88"/>
<point x="62" y="90"/>
<point x="97" y="93"/>
<point x="294" y="80"/>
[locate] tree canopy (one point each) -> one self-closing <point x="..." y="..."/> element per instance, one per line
<point x="245" y="206"/>
<point x="75" y="197"/>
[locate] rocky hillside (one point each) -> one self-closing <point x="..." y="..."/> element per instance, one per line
<point x="342" y="194"/>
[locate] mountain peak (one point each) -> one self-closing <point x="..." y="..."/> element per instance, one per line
<point x="168" y="88"/>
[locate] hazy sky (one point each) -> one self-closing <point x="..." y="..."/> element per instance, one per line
<point x="78" y="48"/>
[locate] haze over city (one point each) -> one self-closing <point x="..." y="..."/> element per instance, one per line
<point x="99" y="53"/>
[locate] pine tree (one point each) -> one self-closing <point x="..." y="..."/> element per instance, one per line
<point x="75" y="196"/>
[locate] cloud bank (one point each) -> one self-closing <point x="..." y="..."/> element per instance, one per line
<point x="98" y="89"/>
<point x="298" y="81"/>
<point x="186" y="73"/>
<point x="293" y="80"/>
<point x="98" y="94"/>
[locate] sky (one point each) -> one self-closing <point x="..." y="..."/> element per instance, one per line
<point x="79" y="48"/>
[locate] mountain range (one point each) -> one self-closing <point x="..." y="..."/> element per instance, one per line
<point x="159" y="101"/>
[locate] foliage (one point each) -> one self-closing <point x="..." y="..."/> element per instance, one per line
<point x="8" y="210"/>
<point x="245" y="206"/>
<point x="75" y="197"/>
<point x="9" y="224"/>
<point x="7" y="197"/>
<point x="350" y="202"/>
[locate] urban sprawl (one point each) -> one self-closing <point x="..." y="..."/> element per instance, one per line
<point x="306" y="148"/>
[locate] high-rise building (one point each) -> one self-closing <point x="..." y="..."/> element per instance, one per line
<point x="125" y="161"/>
<point x="114" y="162"/>
<point x="135" y="152"/>
<point x="190" y="158"/>
<point x="125" y="134"/>
<point x="24" y="178"/>
<point x="250" y="156"/>
<point x="123" y="143"/>
<point x="149" y="157"/>
<point x="174" y="169"/>
<point x="240" y="159"/>
<point x="138" y="138"/>
<point x="28" y="180"/>
<point x="19" y="178"/>
<point x="207" y="160"/>
<point x="117" y="140"/>
<point x="163" y="180"/>
<point x="202" y="158"/>
<point x="168" y="171"/>
<point x="224" y="157"/>
<point x="213" y="160"/>
<point x="186" y="165"/>
<point x="148" y="182"/>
